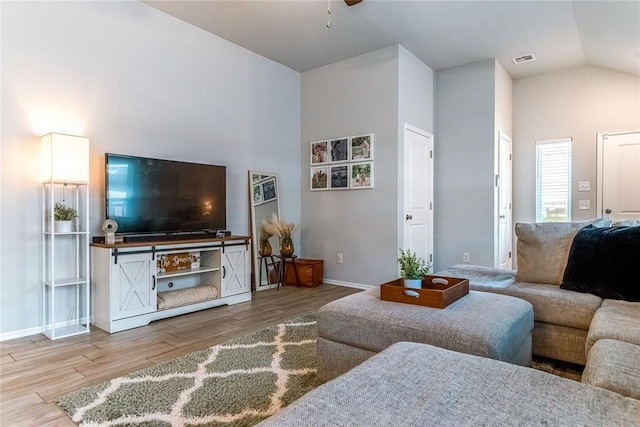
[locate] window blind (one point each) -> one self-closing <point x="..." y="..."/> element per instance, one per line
<point x="553" y="180"/>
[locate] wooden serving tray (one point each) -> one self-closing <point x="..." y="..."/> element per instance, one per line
<point x="433" y="294"/>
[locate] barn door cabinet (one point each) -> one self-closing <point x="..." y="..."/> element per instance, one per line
<point x="136" y="283"/>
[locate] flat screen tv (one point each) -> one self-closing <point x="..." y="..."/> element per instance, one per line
<point x="156" y="196"/>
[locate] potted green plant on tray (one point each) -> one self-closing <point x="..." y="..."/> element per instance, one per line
<point x="412" y="269"/>
<point x="63" y="216"/>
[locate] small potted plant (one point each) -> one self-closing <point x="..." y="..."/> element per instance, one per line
<point x="63" y="216"/>
<point x="412" y="269"/>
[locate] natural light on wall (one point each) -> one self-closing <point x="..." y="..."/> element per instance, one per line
<point x="65" y="158"/>
<point x="553" y="180"/>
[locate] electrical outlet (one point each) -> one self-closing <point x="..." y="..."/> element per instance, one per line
<point x="584" y="204"/>
<point x="339" y="258"/>
<point x="465" y="257"/>
<point x="584" y="186"/>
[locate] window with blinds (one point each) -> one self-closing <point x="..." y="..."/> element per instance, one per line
<point x="553" y="180"/>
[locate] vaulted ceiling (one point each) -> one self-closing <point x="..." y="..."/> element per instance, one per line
<point x="442" y="34"/>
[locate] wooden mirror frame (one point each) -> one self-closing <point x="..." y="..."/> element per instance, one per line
<point x="260" y="210"/>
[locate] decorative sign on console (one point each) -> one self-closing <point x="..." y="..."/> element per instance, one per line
<point x="179" y="261"/>
<point x="342" y="163"/>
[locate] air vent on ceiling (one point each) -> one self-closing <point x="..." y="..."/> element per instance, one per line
<point x="523" y="59"/>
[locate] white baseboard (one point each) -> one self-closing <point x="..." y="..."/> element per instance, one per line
<point x="34" y="331"/>
<point x="347" y="284"/>
<point x="20" y="333"/>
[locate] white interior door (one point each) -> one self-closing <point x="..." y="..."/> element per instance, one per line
<point x="619" y="175"/>
<point x="504" y="183"/>
<point x="417" y="217"/>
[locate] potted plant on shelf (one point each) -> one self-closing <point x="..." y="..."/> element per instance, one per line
<point x="283" y="230"/>
<point x="63" y="216"/>
<point x="412" y="269"/>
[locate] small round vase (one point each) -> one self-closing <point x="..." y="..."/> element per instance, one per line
<point x="63" y="226"/>
<point x="265" y="248"/>
<point x="286" y="246"/>
<point x="413" y="284"/>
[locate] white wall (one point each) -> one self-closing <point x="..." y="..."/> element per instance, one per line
<point x="464" y="164"/>
<point x="135" y="81"/>
<point x="503" y="123"/>
<point x="575" y="102"/>
<point x="415" y="107"/>
<point x="371" y="93"/>
<point x="353" y="97"/>
<point x="503" y="101"/>
<point x="415" y="88"/>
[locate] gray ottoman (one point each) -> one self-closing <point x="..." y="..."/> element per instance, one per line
<point x="413" y="384"/>
<point x="354" y="328"/>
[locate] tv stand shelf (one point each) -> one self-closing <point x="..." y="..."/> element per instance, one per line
<point x="187" y="272"/>
<point x="132" y="279"/>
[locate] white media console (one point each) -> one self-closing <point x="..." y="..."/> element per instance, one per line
<point x="136" y="283"/>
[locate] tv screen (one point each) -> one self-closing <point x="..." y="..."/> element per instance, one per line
<point x="146" y="195"/>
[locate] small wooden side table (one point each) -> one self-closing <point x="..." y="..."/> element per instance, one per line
<point x="265" y="260"/>
<point x="283" y="259"/>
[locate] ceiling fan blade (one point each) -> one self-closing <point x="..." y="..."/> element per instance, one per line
<point x="352" y="2"/>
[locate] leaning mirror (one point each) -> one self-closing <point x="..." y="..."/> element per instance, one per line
<point x="265" y="201"/>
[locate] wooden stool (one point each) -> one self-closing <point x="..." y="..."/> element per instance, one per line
<point x="266" y="267"/>
<point x="283" y="259"/>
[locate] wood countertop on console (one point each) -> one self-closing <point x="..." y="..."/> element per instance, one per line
<point x="174" y="241"/>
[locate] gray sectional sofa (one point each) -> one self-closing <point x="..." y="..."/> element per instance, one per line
<point x="414" y="384"/>
<point x="419" y="384"/>
<point x="568" y="325"/>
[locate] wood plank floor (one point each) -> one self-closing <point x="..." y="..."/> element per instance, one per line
<point x="34" y="370"/>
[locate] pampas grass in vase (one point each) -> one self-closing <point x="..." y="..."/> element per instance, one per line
<point x="283" y="230"/>
<point x="264" y="249"/>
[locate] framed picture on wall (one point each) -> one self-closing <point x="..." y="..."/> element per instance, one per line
<point x="339" y="177"/>
<point x="269" y="190"/>
<point x="319" y="178"/>
<point x="319" y="152"/>
<point x="339" y="150"/>
<point x="361" y="147"/>
<point x="257" y="195"/>
<point x="361" y="175"/>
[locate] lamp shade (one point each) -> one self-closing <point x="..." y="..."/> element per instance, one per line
<point x="65" y="158"/>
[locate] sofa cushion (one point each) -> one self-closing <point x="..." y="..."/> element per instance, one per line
<point x="614" y="365"/>
<point x="486" y="279"/>
<point x="557" y="306"/>
<point x="615" y="319"/>
<point x="626" y="222"/>
<point x="550" y="303"/>
<point x="543" y="248"/>
<point x="412" y="384"/>
<point x="603" y="262"/>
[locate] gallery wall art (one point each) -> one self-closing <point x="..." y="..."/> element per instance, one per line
<point x="341" y="163"/>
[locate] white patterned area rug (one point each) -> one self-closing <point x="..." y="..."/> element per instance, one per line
<point x="238" y="383"/>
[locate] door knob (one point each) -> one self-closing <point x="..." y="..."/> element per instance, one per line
<point x="503" y="216"/>
<point x="408" y="217"/>
<point x="607" y="211"/>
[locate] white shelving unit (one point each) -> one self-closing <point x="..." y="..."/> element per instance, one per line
<point x="65" y="265"/>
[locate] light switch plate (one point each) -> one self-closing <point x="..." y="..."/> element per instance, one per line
<point x="584" y="204"/>
<point x="584" y="186"/>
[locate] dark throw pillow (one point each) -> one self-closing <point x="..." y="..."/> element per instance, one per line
<point x="605" y="262"/>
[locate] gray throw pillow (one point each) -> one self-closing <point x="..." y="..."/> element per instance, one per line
<point x="543" y="248"/>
